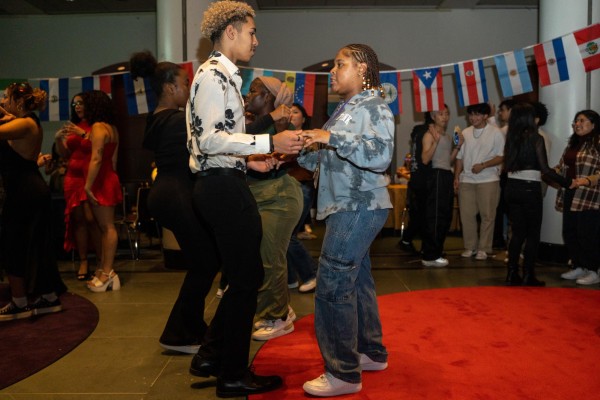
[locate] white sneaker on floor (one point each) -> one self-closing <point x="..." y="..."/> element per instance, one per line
<point x="468" y="253"/>
<point x="369" y="365"/>
<point x="261" y="323"/>
<point x="481" y="255"/>
<point x="328" y="385"/>
<point x="273" y="329"/>
<point x="589" y="279"/>
<point x="308" y="286"/>
<point x="439" y="263"/>
<point x="575" y="273"/>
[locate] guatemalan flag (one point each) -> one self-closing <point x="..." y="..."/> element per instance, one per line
<point x="588" y="40"/>
<point x="428" y="89"/>
<point x="391" y="83"/>
<point x="470" y="82"/>
<point x="513" y="73"/>
<point x="551" y="62"/>
<point x="139" y="95"/>
<point x="303" y="87"/>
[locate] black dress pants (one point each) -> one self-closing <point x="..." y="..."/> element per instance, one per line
<point x="438" y="212"/>
<point x="581" y="233"/>
<point x="226" y="206"/>
<point x="417" y="195"/>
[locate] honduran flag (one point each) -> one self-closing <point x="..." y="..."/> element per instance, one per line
<point x="551" y="62"/>
<point x="303" y="87"/>
<point x="391" y="84"/>
<point x="249" y="74"/>
<point x="588" y="40"/>
<point x="470" y="82"/>
<point x="59" y="91"/>
<point x="513" y="73"/>
<point x="428" y="89"/>
<point x="97" y="82"/>
<point x="139" y="95"/>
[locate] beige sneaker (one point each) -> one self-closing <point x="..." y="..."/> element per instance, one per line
<point x="481" y="255"/>
<point x="369" y="365"/>
<point x="328" y="385"/>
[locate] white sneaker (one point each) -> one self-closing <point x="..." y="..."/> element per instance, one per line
<point x="328" y="385"/>
<point x="439" y="263"/>
<point x="261" y="323"/>
<point x="468" y="253"/>
<point x="221" y="292"/>
<point x="589" y="279"/>
<point x="293" y="285"/>
<point x="308" y="286"/>
<point x="481" y="255"/>
<point x="574" y="273"/>
<point x="273" y="329"/>
<point x="369" y="365"/>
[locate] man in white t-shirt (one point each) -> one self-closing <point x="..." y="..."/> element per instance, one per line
<point x="477" y="180"/>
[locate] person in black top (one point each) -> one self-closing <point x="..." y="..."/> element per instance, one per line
<point x="525" y="162"/>
<point x="170" y="199"/>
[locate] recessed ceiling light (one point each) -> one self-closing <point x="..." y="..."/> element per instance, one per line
<point x="121" y="68"/>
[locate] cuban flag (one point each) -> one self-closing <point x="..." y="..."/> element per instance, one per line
<point x="59" y="93"/>
<point x="97" y="82"/>
<point x="391" y="84"/>
<point x="513" y="73"/>
<point x="551" y="62"/>
<point x="588" y="41"/>
<point x="249" y="74"/>
<point x="139" y="95"/>
<point x="428" y="89"/>
<point x="303" y="87"/>
<point x="470" y="82"/>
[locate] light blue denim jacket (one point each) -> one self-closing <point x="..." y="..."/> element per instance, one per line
<point x="352" y="167"/>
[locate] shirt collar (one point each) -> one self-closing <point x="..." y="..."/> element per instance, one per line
<point x="227" y="63"/>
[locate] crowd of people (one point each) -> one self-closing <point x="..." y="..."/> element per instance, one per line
<point x="230" y="167"/>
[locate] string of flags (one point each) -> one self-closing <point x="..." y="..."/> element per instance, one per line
<point x="428" y="91"/>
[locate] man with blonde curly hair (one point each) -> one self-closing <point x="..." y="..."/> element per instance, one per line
<point x="219" y="150"/>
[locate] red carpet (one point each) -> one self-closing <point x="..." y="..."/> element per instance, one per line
<point x="28" y="345"/>
<point x="464" y="343"/>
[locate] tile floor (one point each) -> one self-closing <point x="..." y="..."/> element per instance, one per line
<point x="122" y="360"/>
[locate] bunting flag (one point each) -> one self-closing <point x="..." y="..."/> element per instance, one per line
<point x="333" y="99"/>
<point x="428" y="89"/>
<point x="59" y="91"/>
<point x="391" y="84"/>
<point x="189" y="68"/>
<point x="97" y="82"/>
<point x="588" y="40"/>
<point x="303" y="87"/>
<point x="551" y="62"/>
<point x="470" y="82"/>
<point x="513" y="73"/>
<point x="139" y="95"/>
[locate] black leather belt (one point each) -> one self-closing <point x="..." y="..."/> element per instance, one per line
<point x="221" y="171"/>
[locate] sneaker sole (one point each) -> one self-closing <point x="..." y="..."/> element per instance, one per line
<point x="336" y="392"/>
<point x="276" y="334"/>
<point x="13" y="317"/>
<point x="595" y="281"/>
<point x="186" y="349"/>
<point x="374" y="366"/>
<point x="47" y="310"/>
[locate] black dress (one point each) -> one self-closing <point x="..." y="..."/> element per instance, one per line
<point x="170" y="202"/>
<point x="26" y="245"/>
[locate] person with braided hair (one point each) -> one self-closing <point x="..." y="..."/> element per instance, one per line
<point x="350" y="157"/>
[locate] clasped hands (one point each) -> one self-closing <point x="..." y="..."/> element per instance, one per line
<point x="577" y="182"/>
<point x="285" y="144"/>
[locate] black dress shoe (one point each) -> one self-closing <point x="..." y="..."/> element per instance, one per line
<point x="204" y="367"/>
<point x="249" y="384"/>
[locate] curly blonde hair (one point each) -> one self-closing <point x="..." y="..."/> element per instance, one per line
<point x="223" y="13"/>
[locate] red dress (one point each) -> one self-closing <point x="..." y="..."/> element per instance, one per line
<point x="77" y="168"/>
<point x="107" y="187"/>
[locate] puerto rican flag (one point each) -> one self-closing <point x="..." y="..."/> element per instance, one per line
<point x="139" y="95"/>
<point x="588" y="40"/>
<point x="470" y="82"/>
<point x="551" y="62"/>
<point x="428" y="89"/>
<point x="513" y="73"/>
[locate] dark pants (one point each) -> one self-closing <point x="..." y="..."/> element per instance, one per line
<point x="170" y="203"/>
<point x="226" y="206"/>
<point x="525" y="209"/>
<point x="299" y="261"/>
<point x="581" y="233"/>
<point x="417" y="196"/>
<point x="438" y="212"/>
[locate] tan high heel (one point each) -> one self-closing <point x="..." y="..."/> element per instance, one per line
<point x="112" y="283"/>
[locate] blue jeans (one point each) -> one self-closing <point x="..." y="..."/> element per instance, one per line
<point x="346" y="314"/>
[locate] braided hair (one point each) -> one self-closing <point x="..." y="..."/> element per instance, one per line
<point x="362" y="53"/>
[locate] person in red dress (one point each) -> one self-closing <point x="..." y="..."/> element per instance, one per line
<point x="72" y="143"/>
<point x="102" y="185"/>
